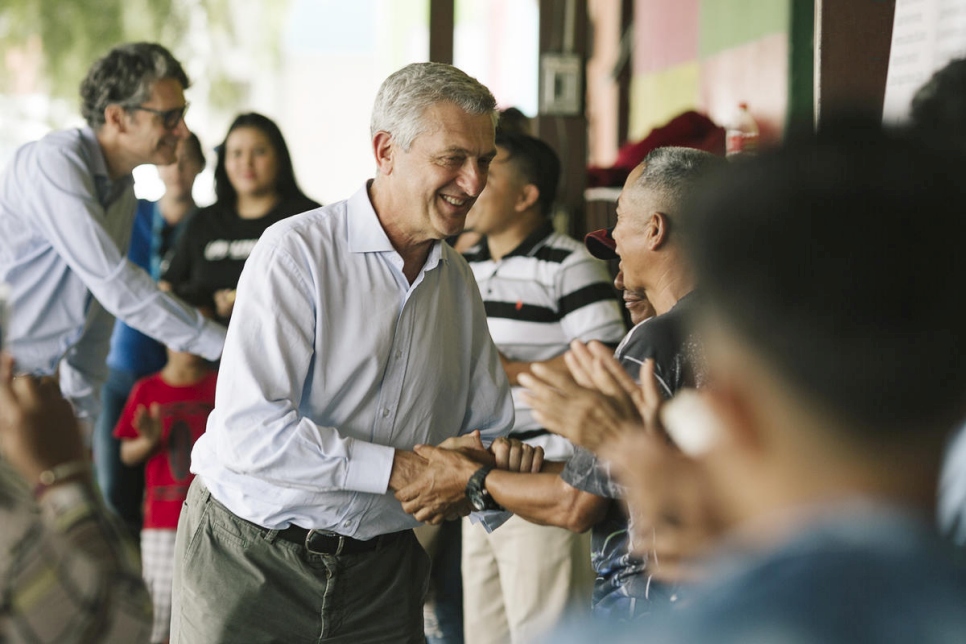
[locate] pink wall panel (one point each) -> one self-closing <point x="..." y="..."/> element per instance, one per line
<point x="665" y="33"/>
<point x="756" y="73"/>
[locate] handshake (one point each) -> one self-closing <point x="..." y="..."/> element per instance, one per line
<point x="433" y="481"/>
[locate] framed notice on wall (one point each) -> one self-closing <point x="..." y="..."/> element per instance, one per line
<point x="926" y="35"/>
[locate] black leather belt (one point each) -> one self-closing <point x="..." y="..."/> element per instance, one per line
<point x="323" y="542"/>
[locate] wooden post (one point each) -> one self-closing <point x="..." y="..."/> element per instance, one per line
<point x="441" y="18"/>
<point x="852" y="43"/>
<point x="563" y="29"/>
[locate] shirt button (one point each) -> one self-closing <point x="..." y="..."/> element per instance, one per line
<point x="385" y="413"/>
<point x="347" y="524"/>
<point x="398" y="355"/>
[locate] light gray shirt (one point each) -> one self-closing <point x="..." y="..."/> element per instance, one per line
<point x="64" y="232"/>
<point x="332" y="361"/>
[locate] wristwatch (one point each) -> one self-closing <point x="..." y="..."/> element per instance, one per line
<point x="476" y="491"/>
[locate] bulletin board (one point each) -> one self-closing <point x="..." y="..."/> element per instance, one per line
<point x="926" y="35"/>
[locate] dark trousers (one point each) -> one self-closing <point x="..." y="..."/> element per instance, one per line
<point x="121" y="486"/>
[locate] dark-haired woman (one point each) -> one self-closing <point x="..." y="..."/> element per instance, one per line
<point x="255" y="187"/>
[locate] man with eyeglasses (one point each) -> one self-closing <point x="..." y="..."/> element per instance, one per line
<point x="66" y="209"/>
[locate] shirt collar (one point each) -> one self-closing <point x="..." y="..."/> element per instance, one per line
<point x="108" y="190"/>
<point x="94" y="153"/>
<point x="366" y="234"/>
<point x="526" y="247"/>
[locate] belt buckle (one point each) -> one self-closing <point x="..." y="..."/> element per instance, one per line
<point x="325" y="533"/>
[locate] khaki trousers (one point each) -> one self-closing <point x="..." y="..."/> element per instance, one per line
<point x="237" y="582"/>
<point x="520" y="580"/>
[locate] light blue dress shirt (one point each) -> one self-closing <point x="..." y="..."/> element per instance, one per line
<point x="332" y="361"/>
<point x="64" y="232"/>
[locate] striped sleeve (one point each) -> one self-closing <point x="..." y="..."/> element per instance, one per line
<point x="588" y="308"/>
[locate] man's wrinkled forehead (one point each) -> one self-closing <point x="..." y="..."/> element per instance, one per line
<point x="461" y="131"/>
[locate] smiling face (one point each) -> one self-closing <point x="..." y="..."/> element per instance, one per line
<point x="434" y="184"/>
<point x="145" y="137"/>
<point x="496" y="209"/>
<point x="636" y="303"/>
<point x="251" y="162"/>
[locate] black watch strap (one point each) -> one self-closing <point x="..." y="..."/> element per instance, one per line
<point x="476" y="491"/>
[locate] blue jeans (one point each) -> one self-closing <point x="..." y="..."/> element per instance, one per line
<point x="121" y="486"/>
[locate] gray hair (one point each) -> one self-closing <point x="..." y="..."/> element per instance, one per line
<point x="670" y="173"/>
<point x="405" y="95"/>
<point x="125" y="76"/>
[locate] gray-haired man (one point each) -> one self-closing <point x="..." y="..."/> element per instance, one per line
<point x="357" y="336"/>
<point x="66" y="208"/>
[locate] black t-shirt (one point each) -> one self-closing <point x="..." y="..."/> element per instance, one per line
<point x="212" y="250"/>
<point x="622" y="589"/>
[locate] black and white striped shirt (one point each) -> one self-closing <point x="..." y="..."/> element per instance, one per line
<point x="545" y="293"/>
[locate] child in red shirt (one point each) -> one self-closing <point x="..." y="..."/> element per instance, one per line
<point x="164" y="416"/>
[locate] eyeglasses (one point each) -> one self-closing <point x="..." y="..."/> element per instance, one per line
<point x="169" y="118"/>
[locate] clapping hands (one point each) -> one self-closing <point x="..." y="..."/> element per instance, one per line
<point x="600" y="407"/>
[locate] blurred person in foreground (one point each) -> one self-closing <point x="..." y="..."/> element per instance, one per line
<point x="255" y="187"/>
<point x="67" y="572"/>
<point x="831" y="399"/>
<point x="938" y="115"/>
<point x="133" y="355"/>
<point x="66" y="210"/>
<point x="357" y="336"/>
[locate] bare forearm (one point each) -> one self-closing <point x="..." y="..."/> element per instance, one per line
<point x="546" y="499"/>
<point x="135" y="451"/>
<point x="514" y="369"/>
<point x="553" y="467"/>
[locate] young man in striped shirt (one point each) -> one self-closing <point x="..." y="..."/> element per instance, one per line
<point x="541" y="290"/>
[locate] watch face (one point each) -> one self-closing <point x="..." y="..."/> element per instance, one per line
<point x="476" y="492"/>
<point x="477" y="501"/>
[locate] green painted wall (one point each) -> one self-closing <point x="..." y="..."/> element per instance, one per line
<point x="728" y="23"/>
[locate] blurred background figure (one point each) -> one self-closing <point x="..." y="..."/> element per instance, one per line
<point x="255" y="187"/>
<point x="68" y="573"/>
<point x="67" y="207"/>
<point x="541" y="290"/>
<point x="513" y="121"/>
<point x="938" y="110"/>
<point x="133" y="355"/>
<point x="164" y="416"/>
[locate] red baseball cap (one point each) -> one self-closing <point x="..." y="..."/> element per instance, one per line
<point x="601" y="244"/>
